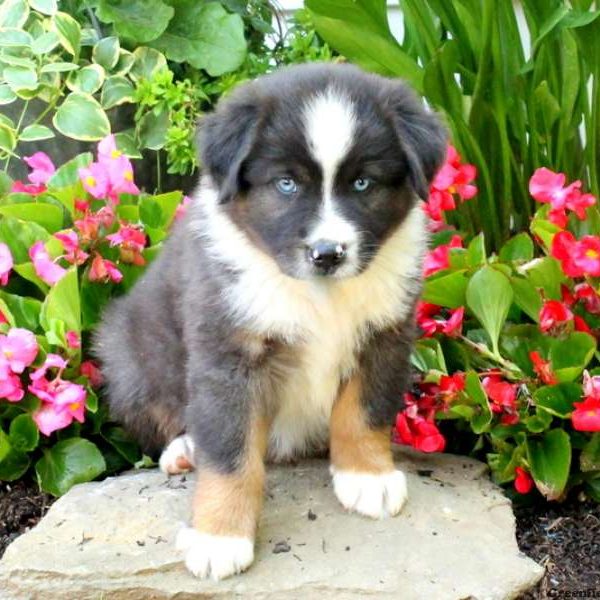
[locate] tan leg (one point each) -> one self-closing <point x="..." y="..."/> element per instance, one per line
<point x="364" y="476"/>
<point x="225" y="514"/>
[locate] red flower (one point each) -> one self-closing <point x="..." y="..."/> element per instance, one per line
<point x="523" y="481"/>
<point x="33" y="189"/>
<point x="581" y="325"/>
<point x="451" y="385"/>
<point x="586" y="416"/>
<point x="89" y="369"/>
<point x="419" y="433"/>
<point x="104" y="270"/>
<point x="555" y="317"/>
<point x="430" y="321"/>
<point x="503" y="396"/>
<point x="578" y="258"/>
<point x="543" y="369"/>
<point x="131" y="242"/>
<point x="439" y="258"/>
<point x="452" y="178"/>
<point x="587" y="294"/>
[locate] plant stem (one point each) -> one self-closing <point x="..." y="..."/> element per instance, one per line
<point x="512" y="370"/>
<point x="158" y="183"/>
<point x="19" y="123"/>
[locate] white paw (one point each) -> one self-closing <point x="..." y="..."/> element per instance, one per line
<point x="214" y="556"/>
<point x="376" y="496"/>
<point x="178" y="456"/>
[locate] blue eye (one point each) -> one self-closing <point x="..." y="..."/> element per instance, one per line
<point x="286" y="185"/>
<point x="360" y="184"/>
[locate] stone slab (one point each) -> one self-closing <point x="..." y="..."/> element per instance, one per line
<point x="113" y="540"/>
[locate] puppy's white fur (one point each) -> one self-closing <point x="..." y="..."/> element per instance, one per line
<point x="214" y="556"/>
<point x="180" y="447"/>
<point x="375" y="496"/>
<point x="328" y="318"/>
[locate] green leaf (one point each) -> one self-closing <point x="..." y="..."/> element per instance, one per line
<point x="518" y="248"/>
<point x="47" y="7"/>
<point x="138" y="20"/>
<point x="34" y="133"/>
<point x="122" y="442"/>
<point x="23" y="433"/>
<point x="67" y="463"/>
<point x="570" y="357"/>
<point x="68" y="174"/>
<point x="81" y="117"/>
<point x="476" y="251"/>
<point x="25" y="311"/>
<point x="116" y="90"/>
<point x="489" y="296"/>
<point x="152" y="130"/>
<point x="59" y="67"/>
<point x="550" y="459"/>
<point x="481" y="420"/>
<point x="557" y="399"/>
<point x="589" y="459"/>
<point x="14" y="464"/>
<point x="148" y="61"/>
<point x="168" y="203"/>
<point x="69" y="32"/>
<point x="545" y="273"/>
<point x="13" y="13"/>
<point x="20" y="236"/>
<point x="62" y="302"/>
<point x="8" y="138"/>
<point x="446" y="289"/>
<point x="539" y="422"/>
<point x="20" y="78"/>
<point x="87" y="80"/>
<point x="45" y="43"/>
<point x="106" y="52"/>
<point x="428" y="356"/>
<point x="6" y="94"/>
<point x="206" y="36"/>
<point x="359" y="30"/>
<point x="527" y="298"/>
<point x="48" y="216"/>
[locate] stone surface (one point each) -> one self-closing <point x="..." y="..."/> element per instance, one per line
<point x="113" y="540"/>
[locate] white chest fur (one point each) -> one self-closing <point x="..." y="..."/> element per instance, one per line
<point x="326" y="319"/>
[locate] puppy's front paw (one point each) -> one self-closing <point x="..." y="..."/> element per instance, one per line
<point x="214" y="556"/>
<point x="376" y="496"/>
<point x="178" y="456"/>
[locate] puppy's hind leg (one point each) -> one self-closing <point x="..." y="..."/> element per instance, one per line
<point x="178" y="456"/>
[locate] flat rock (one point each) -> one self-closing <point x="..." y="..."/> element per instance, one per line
<point x="113" y="539"/>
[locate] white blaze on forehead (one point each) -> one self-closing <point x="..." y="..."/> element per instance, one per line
<point x="330" y="126"/>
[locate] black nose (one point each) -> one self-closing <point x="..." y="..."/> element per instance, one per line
<point x="327" y="255"/>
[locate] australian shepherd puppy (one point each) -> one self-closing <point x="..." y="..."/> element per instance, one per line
<point x="279" y="317"/>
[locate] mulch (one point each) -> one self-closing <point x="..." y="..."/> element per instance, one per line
<point x="564" y="538"/>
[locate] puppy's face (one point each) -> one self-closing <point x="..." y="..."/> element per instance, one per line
<point x="325" y="163"/>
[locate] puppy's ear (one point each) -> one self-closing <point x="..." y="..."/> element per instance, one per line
<point x="225" y="139"/>
<point x="421" y="134"/>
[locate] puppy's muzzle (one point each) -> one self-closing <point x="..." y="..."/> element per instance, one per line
<point x="326" y="255"/>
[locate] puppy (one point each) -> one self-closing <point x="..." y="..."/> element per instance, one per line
<point x="279" y="317"/>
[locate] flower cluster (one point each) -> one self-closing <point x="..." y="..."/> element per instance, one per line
<point x="586" y="416"/>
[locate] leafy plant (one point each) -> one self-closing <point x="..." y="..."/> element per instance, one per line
<point x="511" y="106"/>
<point x="508" y="362"/>
<point x="70" y="239"/>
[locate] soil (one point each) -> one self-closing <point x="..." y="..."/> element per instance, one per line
<point x="565" y="538"/>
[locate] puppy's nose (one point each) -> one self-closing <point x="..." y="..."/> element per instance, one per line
<point x="327" y="255"/>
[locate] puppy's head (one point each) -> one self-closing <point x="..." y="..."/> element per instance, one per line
<point x="320" y="164"/>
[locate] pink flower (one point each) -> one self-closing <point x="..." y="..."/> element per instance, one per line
<point x="523" y="481"/>
<point x="452" y="178"/>
<point x="18" y="348"/>
<point x="577" y="258"/>
<point x="439" y="258"/>
<point x="591" y="386"/>
<point x="10" y="386"/>
<point x="70" y="241"/>
<point x="42" y="166"/>
<point x="120" y="172"/>
<point x="588" y="255"/>
<point x="95" y="179"/>
<point x="431" y="322"/>
<point x="81" y="206"/>
<point x="547" y="186"/>
<point x="49" y="418"/>
<point x="6" y="263"/>
<point x="107" y="149"/>
<point x="131" y="241"/>
<point x="103" y="270"/>
<point x="555" y="317"/>
<point x="46" y="269"/>
<point x="53" y="361"/>
<point x="182" y="208"/>
<point x="586" y="416"/>
<point x="28" y="188"/>
<point x="73" y="339"/>
<point x="90" y="370"/>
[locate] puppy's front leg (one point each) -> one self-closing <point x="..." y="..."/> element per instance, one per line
<point x="365" y="478"/>
<point x="227" y="506"/>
